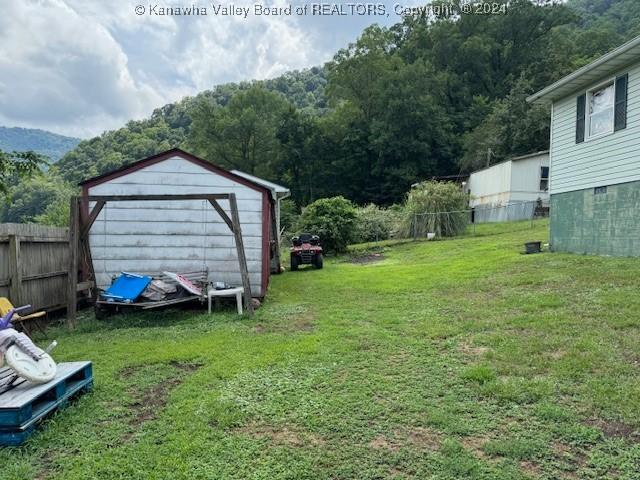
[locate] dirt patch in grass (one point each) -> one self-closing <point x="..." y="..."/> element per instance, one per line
<point x="472" y="350"/>
<point x="576" y="459"/>
<point x="418" y="438"/>
<point x="149" y="402"/>
<point x="47" y="465"/>
<point x="381" y="442"/>
<point x="530" y="468"/>
<point x="616" y="429"/>
<point x="475" y="444"/>
<point x="369" y="258"/>
<point x="300" y="320"/>
<point x="283" y="436"/>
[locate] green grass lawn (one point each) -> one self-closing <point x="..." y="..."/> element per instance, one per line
<point x="447" y="360"/>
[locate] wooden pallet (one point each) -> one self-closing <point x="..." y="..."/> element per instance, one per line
<point x="23" y="407"/>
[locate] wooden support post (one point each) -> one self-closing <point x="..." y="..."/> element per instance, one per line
<point x="242" y="259"/>
<point x="74" y="230"/>
<point x="92" y="218"/>
<point x="221" y="212"/>
<point x="15" y="270"/>
<point x="86" y="260"/>
<point x="275" y="238"/>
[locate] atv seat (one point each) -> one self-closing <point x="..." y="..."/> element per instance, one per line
<point x="306" y="238"/>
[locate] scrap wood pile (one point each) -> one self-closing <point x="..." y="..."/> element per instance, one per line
<point x="144" y="291"/>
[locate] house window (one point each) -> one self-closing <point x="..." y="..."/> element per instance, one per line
<point x="544" y="179"/>
<point x="601" y="109"/>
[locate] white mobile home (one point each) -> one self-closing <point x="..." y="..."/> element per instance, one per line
<point x="149" y="237"/>
<point x="509" y="190"/>
<point x="595" y="155"/>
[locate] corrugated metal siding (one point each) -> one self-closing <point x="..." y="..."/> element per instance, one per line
<point x="525" y="179"/>
<point x="510" y="181"/>
<point x="607" y="160"/>
<point x="149" y="237"/>
<point x="491" y="186"/>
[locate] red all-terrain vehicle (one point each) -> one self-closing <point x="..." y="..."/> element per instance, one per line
<point x="306" y="250"/>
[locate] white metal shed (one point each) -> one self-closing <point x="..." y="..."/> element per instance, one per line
<point x="181" y="236"/>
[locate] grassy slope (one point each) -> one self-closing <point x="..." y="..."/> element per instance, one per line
<point x="453" y="359"/>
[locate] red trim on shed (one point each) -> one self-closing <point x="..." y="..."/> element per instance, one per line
<point x="176" y="152"/>
<point x="266" y="244"/>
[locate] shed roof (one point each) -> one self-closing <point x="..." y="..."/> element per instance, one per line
<point x="278" y="190"/>
<point x="607" y="64"/>
<point x="513" y="159"/>
<point x="174" y="152"/>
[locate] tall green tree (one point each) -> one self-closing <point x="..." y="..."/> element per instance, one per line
<point x="513" y="127"/>
<point x="17" y="165"/>
<point x="242" y="134"/>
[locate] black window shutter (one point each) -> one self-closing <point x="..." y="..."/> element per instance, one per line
<point x="580" y="111"/>
<point x="620" y="117"/>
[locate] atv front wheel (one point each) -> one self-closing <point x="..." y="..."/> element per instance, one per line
<point x="294" y="263"/>
<point x="318" y="261"/>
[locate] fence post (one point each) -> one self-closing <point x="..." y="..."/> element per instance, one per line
<point x="415" y="226"/>
<point x="15" y="270"/>
<point x="72" y="285"/>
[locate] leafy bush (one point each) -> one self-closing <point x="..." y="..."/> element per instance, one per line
<point x="438" y="207"/>
<point x="375" y="223"/>
<point x="334" y="219"/>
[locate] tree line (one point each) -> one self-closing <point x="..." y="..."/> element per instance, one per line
<point x="424" y="98"/>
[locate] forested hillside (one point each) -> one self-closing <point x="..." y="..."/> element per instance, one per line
<point x="51" y="145"/>
<point x="423" y="98"/>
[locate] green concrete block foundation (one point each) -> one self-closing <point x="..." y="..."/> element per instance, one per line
<point x="597" y="223"/>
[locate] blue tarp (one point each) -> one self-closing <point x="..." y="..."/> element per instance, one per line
<point x="127" y="287"/>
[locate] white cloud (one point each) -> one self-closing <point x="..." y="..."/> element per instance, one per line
<point x="79" y="67"/>
<point x="64" y="72"/>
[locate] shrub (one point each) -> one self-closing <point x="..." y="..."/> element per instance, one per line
<point x="334" y="219"/>
<point x="375" y="223"/>
<point x="436" y="207"/>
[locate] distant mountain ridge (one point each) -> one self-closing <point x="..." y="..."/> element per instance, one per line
<point x="46" y="143"/>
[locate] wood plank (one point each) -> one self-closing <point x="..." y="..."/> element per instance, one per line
<point x="72" y="290"/>
<point x="175" y="241"/>
<point x="237" y="231"/>
<point x="31" y="239"/>
<point x="31" y="230"/>
<point x="247" y="205"/>
<point x="82" y="286"/>
<point x="92" y="218"/>
<point x="204" y="214"/>
<point x="149" y="305"/>
<point x="274" y="239"/>
<point x="138" y="228"/>
<point x="15" y="269"/>
<point x="39" y="276"/>
<point x="23" y="394"/>
<point x="130" y="198"/>
<point x="223" y="215"/>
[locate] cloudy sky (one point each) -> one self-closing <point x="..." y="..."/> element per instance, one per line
<point x="79" y="67"/>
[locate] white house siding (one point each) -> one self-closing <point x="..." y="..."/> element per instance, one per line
<point x="608" y="160"/>
<point x="525" y="179"/>
<point x="490" y="186"/>
<point x="509" y="182"/>
<point x="181" y="236"/>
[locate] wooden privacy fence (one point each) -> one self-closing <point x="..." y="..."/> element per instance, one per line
<point x="34" y="265"/>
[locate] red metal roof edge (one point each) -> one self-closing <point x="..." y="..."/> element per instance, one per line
<point x="174" y="152"/>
